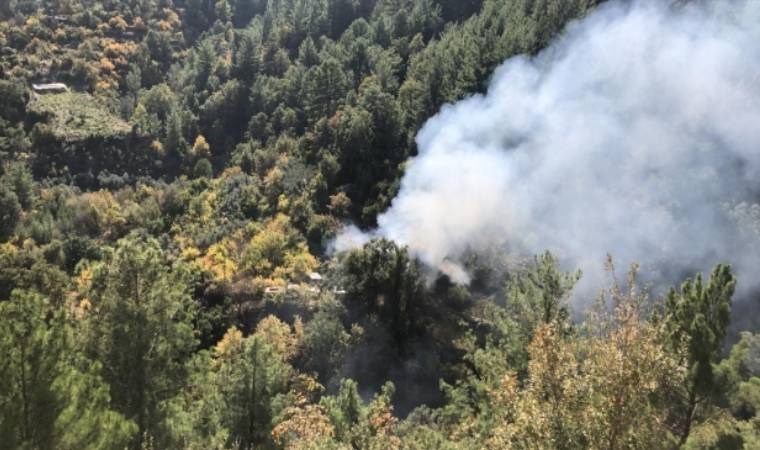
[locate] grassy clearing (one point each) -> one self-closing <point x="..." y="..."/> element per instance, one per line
<point x="75" y="116"/>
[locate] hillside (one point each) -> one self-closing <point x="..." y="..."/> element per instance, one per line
<point x="357" y="224"/>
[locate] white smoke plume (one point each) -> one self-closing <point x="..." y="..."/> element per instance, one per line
<point x="636" y="134"/>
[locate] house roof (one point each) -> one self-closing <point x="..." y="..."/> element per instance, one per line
<point x="50" y="87"/>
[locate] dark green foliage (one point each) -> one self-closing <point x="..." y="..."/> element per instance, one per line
<point x="539" y="294"/>
<point x="77" y="248"/>
<point x="203" y="169"/>
<point x="382" y="279"/>
<point x="10" y="210"/>
<point x="13" y="97"/>
<point x="18" y="178"/>
<point x="738" y="377"/>
<point x="696" y="319"/>
<point x="325" y="344"/>
<point x="240" y="198"/>
<point x="234" y="396"/>
<point x="32" y="349"/>
<point x="222" y="115"/>
<point x="31" y="269"/>
<point x="245" y="10"/>
<point x="250" y="383"/>
<point x="50" y="397"/>
<point x="325" y="87"/>
<point x="739" y="385"/>
<point x="192" y="179"/>
<point x="141" y="332"/>
<point x="455" y="9"/>
<point x="344" y="409"/>
<point x="247" y="62"/>
<point x="536" y="295"/>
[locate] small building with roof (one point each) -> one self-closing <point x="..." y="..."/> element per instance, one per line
<point x="49" y="88"/>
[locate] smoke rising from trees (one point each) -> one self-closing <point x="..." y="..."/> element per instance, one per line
<point x="636" y="134"/>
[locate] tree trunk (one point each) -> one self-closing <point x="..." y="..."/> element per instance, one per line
<point x="692" y="407"/>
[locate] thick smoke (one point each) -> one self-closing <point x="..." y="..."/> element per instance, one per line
<point x="636" y="134"/>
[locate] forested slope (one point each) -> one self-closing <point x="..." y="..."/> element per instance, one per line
<point x="166" y="276"/>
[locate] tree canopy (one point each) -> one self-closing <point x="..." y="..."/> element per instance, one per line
<point x="168" y="270"/>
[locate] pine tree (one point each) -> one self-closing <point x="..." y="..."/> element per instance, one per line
<point x="175" y="145"/>
<point x="307" y="53"/>
<point x="247" y="62"/>
<point x="696" y="318"/>
<point x="10" y="212"/>
<point x="19" y="179"/>
<point x="325" y="87"/>
<point x="51" y="397"/>
<point x="383" y="279"/>
<point x="141" y="331"/>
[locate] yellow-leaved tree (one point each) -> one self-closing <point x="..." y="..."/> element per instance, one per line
<point x="278" y="251"/>
<point x="595" y="390"/>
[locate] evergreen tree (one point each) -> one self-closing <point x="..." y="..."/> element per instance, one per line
<point x="238" y="390"/>
<point x="141" y="331"/>
<point x="10" y="211"/>
<point x="50" y="398"/>
<point x="203" y="169"/>
<point x="325" y="87"/>
<point x="696" y="317"/>
<point x="385" y="280"/>
<point x="18" y="178"/>
<point x="307" y="53"/>
<point x="538" y="295"/>
<point x="176" y="145"/>
<point x="252" y="380"/>
<point x="247" y="58"/>
<point x="14" y="101"/>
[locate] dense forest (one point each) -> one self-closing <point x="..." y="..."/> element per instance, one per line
<point x="173" y="174"/>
